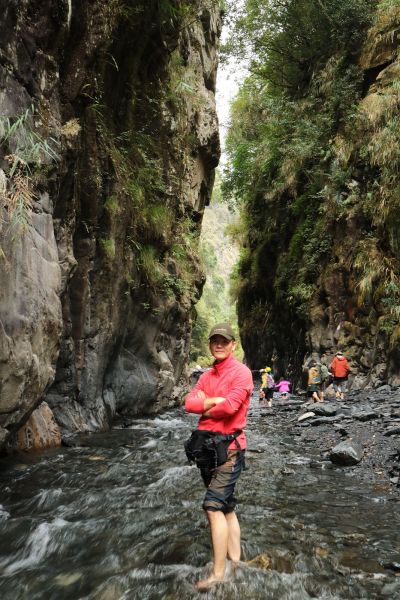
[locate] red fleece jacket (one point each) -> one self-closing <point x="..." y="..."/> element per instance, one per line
<point x="231" y="380"/>
<point x="340" y="367"/>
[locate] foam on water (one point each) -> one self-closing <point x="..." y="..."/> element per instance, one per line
<point x="171" y="476"/>
<point x="40" y="544"/>
<point x="4" y="514"/>
<point x="172" y="423"/>
<point x="47" y="497"/>
<point x="298" y="460"/>
<point x="150" y="444"/>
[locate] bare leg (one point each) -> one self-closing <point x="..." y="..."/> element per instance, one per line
<point x="219" y="539"/>
<point x="233" y="536"/>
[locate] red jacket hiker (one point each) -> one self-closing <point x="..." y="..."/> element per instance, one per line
<point x="232" y="380"/>
<point x="340" y="366"/>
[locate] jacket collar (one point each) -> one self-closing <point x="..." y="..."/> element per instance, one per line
<point x="219" y="367"/>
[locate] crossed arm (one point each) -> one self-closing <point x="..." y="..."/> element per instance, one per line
<point x="218" y="407"/>
<point x="209" y="403"/>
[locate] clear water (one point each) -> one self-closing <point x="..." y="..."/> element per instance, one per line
<point x="121" y="518"/>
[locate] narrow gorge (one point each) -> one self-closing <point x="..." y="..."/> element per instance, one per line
<point x="129" y="227"/>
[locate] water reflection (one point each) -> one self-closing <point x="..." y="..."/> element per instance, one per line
<point x="120" y="518"/>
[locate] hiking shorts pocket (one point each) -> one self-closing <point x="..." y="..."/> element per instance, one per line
<point x="221" y="483"/>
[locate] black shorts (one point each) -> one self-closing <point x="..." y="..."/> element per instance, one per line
<point x="220" y="483"/>
<point x="269" y="393"/>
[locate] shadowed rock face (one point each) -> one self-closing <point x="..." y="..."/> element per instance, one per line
<point x="96" y="294"/>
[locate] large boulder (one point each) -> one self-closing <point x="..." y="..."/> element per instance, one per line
<point x="30" y="318"/>
<point x="347" y="453"/>
<point x="40" y="431"/>
<point x="325" y="410"/>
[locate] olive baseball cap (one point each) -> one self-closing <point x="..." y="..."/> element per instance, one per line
<point x="223" y="329"/>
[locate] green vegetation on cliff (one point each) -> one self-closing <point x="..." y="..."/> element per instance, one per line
<point x="25" y="156"/>
<point x="146" y="173"/>
<point x="314" y="165"/>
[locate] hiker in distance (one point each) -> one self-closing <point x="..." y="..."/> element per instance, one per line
<point x="340" y="371"/>
<point x="222" y="397"/>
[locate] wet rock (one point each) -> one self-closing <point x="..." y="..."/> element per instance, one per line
<point x="316" y="464"/>
<point x="360" y="381"/>
<point x="326" y="420"/>
<point x="364" y="414"/>
<point x="306" y="415"/>
<point x="262" y="561"/>
<point x="340" y="429"/>
<point x="70" y="440"/>
<point x="294" y="403"/>
<point x="30" y="323"/>
<point x="67" y="579"/>
<point x="330" y="393"/>
<point x="325" y="410"/>
<point x="276" y="560"/>
<point x="321" y="552"/>
<point x="40" y="431"/>
<point x="346" y="453"/>
<point x="383" y="389"/>
<point x="286" y="471"/>
<point x="392" y="431"/>
<point x="393" y="566"/>
<point x="391" y="590"/>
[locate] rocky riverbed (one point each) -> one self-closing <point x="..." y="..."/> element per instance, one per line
<point x="367" y="421"/>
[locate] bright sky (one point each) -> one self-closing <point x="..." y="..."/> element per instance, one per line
<point x="227" y="87"/>
<point x="229" y="79"/>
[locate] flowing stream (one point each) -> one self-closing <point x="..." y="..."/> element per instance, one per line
<point x="120" y="518"/>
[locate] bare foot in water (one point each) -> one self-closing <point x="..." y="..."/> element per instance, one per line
<point x="205" y="584"/>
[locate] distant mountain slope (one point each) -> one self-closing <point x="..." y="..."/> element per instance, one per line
<point x="219" y="256"/>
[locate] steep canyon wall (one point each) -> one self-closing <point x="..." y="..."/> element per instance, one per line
<point x="321" y="266"/>
<point x="109" y="144"/>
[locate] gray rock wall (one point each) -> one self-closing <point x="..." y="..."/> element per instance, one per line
<point x="97" y="288"/>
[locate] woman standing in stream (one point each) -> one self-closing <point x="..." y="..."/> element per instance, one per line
<point x="222" y="397"/>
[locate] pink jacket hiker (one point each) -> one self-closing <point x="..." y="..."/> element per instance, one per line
<point x="233" y="381"/>
<point x="283" y="386"/>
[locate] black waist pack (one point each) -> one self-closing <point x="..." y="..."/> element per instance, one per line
<point x="209" y="449"/>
